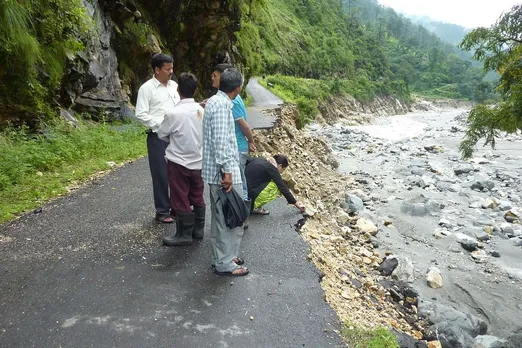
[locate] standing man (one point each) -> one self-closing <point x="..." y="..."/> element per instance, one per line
<point x="156" y="97"/>
<point x="183" y="129"/>
<point x="221" y="171"/>
<point x="244" y="136"/>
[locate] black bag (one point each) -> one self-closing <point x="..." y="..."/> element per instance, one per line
<point x="234" y="208"/>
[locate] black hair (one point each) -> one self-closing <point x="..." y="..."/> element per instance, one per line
<point x="159" y="59"/>
<point x="230" y="80"/>
<point x="282" y="160"/>
<point x="222" y="67"/>
<point x="187" y="84"/>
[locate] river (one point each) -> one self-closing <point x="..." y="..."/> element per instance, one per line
<point x="442" y="212"/>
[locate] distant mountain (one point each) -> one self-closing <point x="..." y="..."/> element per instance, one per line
<point x="450" y="33"/>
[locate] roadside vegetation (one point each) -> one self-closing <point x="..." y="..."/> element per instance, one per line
<point x="357" y="337"/>
<point x="35" y="168"/>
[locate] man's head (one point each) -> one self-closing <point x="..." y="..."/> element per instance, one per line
<point x="282" y="162"/>
<point x="216" y="74"/>
<point x="187" y="85"/>
<point x="162" y="65"/>
<point x="230" y="82"/>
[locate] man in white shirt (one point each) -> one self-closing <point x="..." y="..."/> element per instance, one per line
<point x="156" y="97"/>
<point x="182" y="128"/>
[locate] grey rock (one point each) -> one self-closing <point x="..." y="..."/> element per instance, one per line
<point x="514" y="340"/>
<point x="483" y="185"/>
<point x="495" y="253"/>
<point x="505" y="205"/>
<point x="482" y="236"/>
<point x="406" y="341"/>
<point x="454" y="328"/>
<point x="388" y="265"/>
<point x="463" y="170"/>
<point x="404" y="272"/>
<point x="486" y="341"/>
<point x="468" y="244"/>
<point x="355" y="204"/>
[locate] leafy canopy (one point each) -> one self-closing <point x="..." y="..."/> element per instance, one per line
<point x="500" y="49"/>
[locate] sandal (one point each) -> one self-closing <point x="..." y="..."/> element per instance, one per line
<point x="237" y="260"/>
<point x="166" y="219"/>
<point x="260" y="211"/>
<point x="238" y="272"/>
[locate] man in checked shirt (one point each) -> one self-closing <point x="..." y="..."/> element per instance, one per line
<point x="221" y="171"/>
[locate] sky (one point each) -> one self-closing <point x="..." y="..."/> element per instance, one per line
<point x="467" y="13"/>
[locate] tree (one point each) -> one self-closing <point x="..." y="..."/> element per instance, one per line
<point x="500" y="49"/>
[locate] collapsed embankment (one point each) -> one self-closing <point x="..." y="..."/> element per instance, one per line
<point x="341" y="244"/>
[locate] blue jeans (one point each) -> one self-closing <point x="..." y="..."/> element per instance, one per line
<point x="243" y="156"/>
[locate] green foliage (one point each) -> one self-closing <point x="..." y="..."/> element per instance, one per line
<point x="38" y="167"/>
<point x="380" y="51"/>
<point x="500" y="48"/>
<point x="36" y="38"/>
<point x="356" y="337"/>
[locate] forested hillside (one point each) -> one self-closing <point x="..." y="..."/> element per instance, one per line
<point x="376" y="49"/>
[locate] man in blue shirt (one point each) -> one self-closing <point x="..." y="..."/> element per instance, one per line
<point x="244" y="137"/>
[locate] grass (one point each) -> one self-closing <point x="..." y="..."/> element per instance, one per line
<point x="37" y="168"/>
<point x="357" y="337"/>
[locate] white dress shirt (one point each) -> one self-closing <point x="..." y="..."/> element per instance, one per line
<point x="154" y="101"/>
<point x="183" y="129"/>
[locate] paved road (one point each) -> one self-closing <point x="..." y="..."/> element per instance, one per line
<point x="90" y="271"/>
<point x="263" y="100"/>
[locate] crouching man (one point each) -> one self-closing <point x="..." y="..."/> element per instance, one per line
<point x="183" y="129"/>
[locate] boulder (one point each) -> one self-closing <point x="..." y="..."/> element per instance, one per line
<point x="388" y="265"/>
<point x="453" y="328"/>
<point x="483" y="185"/>
<point x="404" y="272"/>
<point x="366" y="226"/>
<point x="434" y="278"/>
<point x="355" y="204"/>
<point x="490" y="203"/>
<point x="486" y="341"/>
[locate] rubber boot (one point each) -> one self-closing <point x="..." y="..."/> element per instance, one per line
<point x="199" y="222"/>
<point x="184" y="228"/>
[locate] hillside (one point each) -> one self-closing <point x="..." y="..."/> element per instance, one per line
<point x="377" y="50"/>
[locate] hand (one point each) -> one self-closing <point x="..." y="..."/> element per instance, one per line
<point x="252" y="147"/>
<point x="226" y="182"/>
<point x="203" y="103"/>
<point x="300" y="206"/>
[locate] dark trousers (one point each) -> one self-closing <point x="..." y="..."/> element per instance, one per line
<point x="186" y="188"/>
<point x="158" y="170"/>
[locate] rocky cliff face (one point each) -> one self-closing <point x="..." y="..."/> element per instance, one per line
<point x="105" y="77"/>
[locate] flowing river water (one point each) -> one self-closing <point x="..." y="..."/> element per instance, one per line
<point x="458" y="216"/>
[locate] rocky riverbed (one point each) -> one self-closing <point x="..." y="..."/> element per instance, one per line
<point x="450" y="228"/>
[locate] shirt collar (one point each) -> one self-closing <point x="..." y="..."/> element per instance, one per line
<point x="186" y="101"/>
<point x="157" y="83"/>
<point x="222" y="94"/>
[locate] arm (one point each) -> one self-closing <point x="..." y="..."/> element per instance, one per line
<point x="278" y="180"/>
<point x="245" y="129"/>
<point x="143" y="108"/>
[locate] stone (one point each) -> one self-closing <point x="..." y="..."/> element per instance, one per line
<point x="366" y="226"/>
<point x="463" y="170"/>
<point x="514" y="340"/>
<point x="482" y="236"/>
<point x="406" y="341"/>
<point x="445" y="223"/>
<point x="434" y="278"/>
<point x="453" y="328"/>
<point x="469" y="245"/>
<point x="478" y="256"/>
<point x="495" y="253"/>
<point x="490" y="203"/>
<point x="355" y="204"/>
<point x="512" y="215"/>
<point x="487" y="341"/>
<point x="434" y="344"/>
<point x="441" y="233"/>
<point x="505" y="205"/>
<point x="455" y="188"/>
<point x="434" y="148"/>
<point x="388" y="265"/>
<point x="404" y="272"/>
<point x="425" y="181"/>
<point x="483" y="185"/>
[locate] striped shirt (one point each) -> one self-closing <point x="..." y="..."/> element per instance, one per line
<point x="219" y="140"/>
